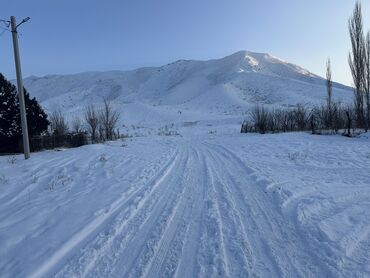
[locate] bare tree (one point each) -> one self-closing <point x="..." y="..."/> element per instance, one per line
<point x="329" y="89"/>
<point x="76" y="125"/>
<point x="349" y="118"/>
<point x="339" y="118"/>
<point x="108" y="118"/>
<point x="313" y="120"/>
<point x="300" y="118"/>
<point x="356" y="59"/>
<point x="101" y="133"/>
<point x="367" y="80"/>
<point x="92" y="120"/>
<point x="58" y="124"/>
<point x="259" y="116"/>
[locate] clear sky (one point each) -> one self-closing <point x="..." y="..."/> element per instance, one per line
<point x="69" y="36"/>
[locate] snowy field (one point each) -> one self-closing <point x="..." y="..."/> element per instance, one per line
<point x="202" y="204"/>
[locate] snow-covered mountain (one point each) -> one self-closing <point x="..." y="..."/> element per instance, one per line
<point x="187" y="90"/>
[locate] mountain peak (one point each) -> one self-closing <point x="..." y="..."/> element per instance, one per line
<point x="229" y="86"/>
<point x="264" y="63"/>
<point x="250" y="55"/>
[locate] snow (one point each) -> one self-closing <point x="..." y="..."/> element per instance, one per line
<point x="199" y="204"/>
<point x="206" y="201"/>
<point x="227" y="86"/>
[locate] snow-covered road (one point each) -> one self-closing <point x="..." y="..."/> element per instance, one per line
<point x="164" y="207"/>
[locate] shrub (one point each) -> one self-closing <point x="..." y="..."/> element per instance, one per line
<point x="317" y="119"/>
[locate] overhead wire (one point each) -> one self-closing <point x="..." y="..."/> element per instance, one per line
<point x="6" y="28"/>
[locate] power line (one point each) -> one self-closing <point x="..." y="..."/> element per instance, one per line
<point x="3" y="30"/>
<point x="6" y="22"/>
<point x="6" y="28"/>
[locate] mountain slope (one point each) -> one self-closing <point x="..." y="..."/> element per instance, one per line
<point x="187" y="90"/>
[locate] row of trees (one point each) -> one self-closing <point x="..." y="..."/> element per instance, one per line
<point x="100" y="124"/>
<point x="331" y="116"/>
<point x="318" y="119"/>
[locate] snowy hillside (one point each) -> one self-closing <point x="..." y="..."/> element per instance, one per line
<point x="187" y="90"/>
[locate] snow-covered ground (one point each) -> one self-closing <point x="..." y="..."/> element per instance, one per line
<point x="207" y="203"/>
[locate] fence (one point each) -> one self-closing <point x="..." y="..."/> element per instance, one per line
<point x="39" y="143"/>
<point x="46" y="142"/>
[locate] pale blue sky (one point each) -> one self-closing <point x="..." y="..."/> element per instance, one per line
<point x="69" y="36"/>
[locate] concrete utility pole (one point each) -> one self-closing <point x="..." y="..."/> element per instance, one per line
<point x="22" y="105"/>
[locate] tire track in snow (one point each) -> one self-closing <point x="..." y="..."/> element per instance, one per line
<point x="237" y="245"/>
<point x="253" y="199"/>
<point x="267" y="261"/>
<point x="220" y="219"/>
<point x="211" y="257"/>
<point x="109" y="247"/>
<point x="180" y="250"/>
<point x="106" y="245"/>
<point x="164" y="261"/>
<point x="188" y="265"/>
<point x="201" y="215"/>
<point x="139" y="250"/>
<point x="260" y="256"/>
<point x="99" y="221"/>
<point x="125" y="228"/>
<point x="300" y="258"/>
<point x="113" y="242"/>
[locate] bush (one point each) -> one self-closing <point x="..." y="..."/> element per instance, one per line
<point x="260" y="117"/>
<point x="317" y="119"/>
<point x="58" y="123"/>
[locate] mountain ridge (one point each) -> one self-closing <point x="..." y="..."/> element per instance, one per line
<point x="223" y="87"/>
